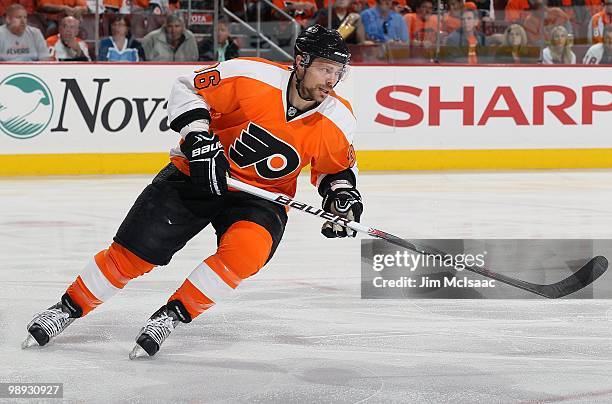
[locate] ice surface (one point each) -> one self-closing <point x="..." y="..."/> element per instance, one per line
<point x="298" y="331"/>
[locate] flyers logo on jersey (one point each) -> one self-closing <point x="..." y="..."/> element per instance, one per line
<point x="271" y="157"/>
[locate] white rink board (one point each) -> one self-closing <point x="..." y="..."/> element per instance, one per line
<point x="131" y="102"/>
<point x="147" y="85"/>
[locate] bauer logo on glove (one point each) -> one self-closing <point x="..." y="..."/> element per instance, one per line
<point x="208" y="166"/>
<point x="205" y="149"/>
<point x="342" y="199"/>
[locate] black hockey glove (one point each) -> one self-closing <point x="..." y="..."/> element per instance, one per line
<point x="341" y="199"/>
<point x="208" y="166"/>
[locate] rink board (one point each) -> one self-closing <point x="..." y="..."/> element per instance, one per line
<point x="110" y="118"/>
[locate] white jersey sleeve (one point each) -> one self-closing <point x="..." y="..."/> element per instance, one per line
<point x="185" y="105"/>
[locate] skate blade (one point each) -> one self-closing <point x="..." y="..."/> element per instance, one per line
<point x="138" y="352"/>
<point x="29" y="342"/>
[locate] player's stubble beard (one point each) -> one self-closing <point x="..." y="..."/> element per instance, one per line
<point x="312" y="93"/>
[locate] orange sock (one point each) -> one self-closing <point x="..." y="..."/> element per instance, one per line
<point x="243" y="250"/>
<point x="105" y="275"/>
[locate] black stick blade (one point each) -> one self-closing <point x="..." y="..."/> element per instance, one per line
<point x="582" y="278"/>
<point x="586" y="275"/>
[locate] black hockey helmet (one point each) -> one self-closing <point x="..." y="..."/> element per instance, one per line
<point x="320" y="42"/>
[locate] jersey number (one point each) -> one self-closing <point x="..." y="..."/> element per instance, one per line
<point x="206" y="79"/>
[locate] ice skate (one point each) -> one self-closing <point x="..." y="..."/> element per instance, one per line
<point x="51" y="322"/>
<point x="154" y="333"/>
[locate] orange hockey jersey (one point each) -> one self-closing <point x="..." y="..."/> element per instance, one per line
<point x="247" y="102"/>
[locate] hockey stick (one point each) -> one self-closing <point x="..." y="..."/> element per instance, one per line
<point x="586" y="275"/>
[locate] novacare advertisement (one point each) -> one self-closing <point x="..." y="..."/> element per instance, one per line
<point x="114" y="109"/>
<point x="86" y="108"/>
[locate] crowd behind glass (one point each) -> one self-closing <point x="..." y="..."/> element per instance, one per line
<point x="400" y="31"/>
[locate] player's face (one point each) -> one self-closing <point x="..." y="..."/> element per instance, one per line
<point x="320" y="79"/>
<point x="17" y="21"/>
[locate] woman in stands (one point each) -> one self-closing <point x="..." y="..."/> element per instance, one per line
<point x="560" y="49"/>
<point x="514" y="48"/>
<point x="120" y="46"/>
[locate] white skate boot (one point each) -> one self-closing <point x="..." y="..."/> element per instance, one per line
<point x="51" y="322"/>
<point x="154" y="333"/>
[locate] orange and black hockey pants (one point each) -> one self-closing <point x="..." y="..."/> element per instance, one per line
<point x="167" y="214"/>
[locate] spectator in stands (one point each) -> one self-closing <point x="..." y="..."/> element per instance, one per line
<point x="600" y="53"/>
<point x="516" y="10"/>
<point x="91" y="7"/>
<point x="115" y="6"/>
<point x="484" y="8"/>
<point x="29" y="5"/>
<point x="452" y="18"/>
<point x="226" y="49"/>
<point x="514" y="48"/>
<point x="172" y="42"/>
<point x="18" y="40"/>
<point x="163" y="7"/>
<point x="301" y="10"/>
<point x="139" y="6"/>
<point x="157" y="7"/>
<point x="541" y="21"/>
<point x="593" y="6"/>
<point x="400" y="7"/>
<point x="346" y="22"/>
<point x="466" y="44"/>
<point x="107" y="6"/>
<point x="54" y="10"/>
<point x="120" y="46"/>
<point x="422" y="25"/>
<point x="358" y="6"/>
<point x="577" y="12"/>
<point x="381" y="24"/>
<point x="66" y="46"/>
<point x="560" y="49"/>
<point x="599" y="21"/>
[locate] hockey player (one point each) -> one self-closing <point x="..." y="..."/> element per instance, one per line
<point x="261" y="123"/>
